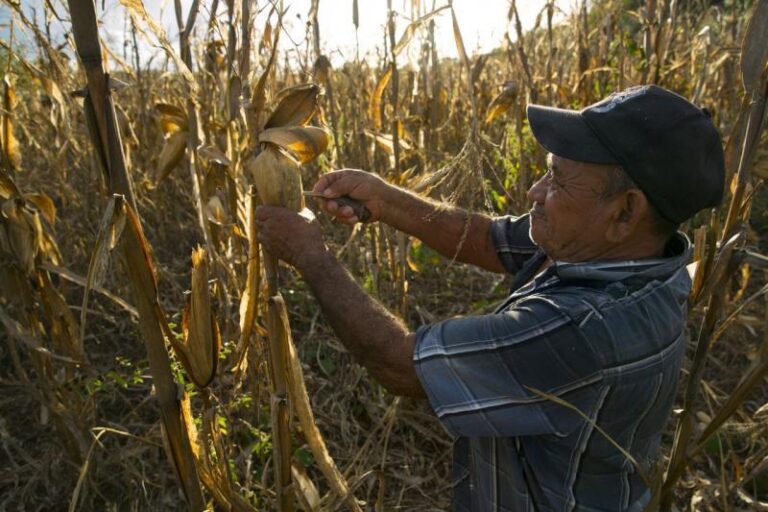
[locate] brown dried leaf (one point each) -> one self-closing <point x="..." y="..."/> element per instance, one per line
<point x="411" y="29"/>
<point x="385" y="142"/>
<point x="459" y="40"/>
<point x="214" y="155"/>
<point x="296" y="108"/>
<point x="136" y="11"/>
<point x="10" y="144"/>
<point x="259" y="96"/>
<point x="321" y="69"/>
<point x="53" y="91"/>
<point x="171" y="155"/>
<point x="250" y="296"/>
<point x="306" y="491"/>
<point x="110" y="230"/>
<point x="304" y="142"/>
<point x="754" y="48"/>
<point x="45" y="205"/>
<point x="172" y="118"/>
<point x="502" y="102"/>
<point x="216" y="212"/>
<point x="7" y="186"/>
<point x="303" y="409"/>
<point x="375" y="105"/>
<point x="266" y="36"/>
<point x="23" y="232"/>
<point x="201" y="340"/>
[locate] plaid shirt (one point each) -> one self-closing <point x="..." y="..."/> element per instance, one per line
<point x="605" y="337"/>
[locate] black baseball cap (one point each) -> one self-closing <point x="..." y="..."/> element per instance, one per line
<point x="666" y="144"/>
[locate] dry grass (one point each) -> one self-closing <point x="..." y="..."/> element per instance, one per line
<point x="79" y="411"/>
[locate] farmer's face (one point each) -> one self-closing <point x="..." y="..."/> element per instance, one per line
<point x="569" y="218"/>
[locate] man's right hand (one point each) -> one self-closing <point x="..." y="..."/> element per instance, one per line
<point x="363" y="186"/>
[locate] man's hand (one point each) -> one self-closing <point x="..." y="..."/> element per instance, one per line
<point x="292" y="237"/>
<point x="363" y="186"/>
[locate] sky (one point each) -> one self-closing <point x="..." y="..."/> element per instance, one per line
<point x="482" y="23"/>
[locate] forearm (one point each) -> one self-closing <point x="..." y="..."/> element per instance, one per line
<point x="376" y="339"/>
<point x="453" y="232"/>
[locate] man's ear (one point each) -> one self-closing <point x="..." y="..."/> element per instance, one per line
<point x="629" y="209"/>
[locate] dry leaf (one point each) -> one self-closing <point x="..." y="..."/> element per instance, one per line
<point x="10" y="144"/>
<point x="171" y="155"/>
<point x="304" y="142"/>
<point x="215" y="211"/>
<point x="137" y="12"/>
<point x="502" y="102"/>
<point x="375" y="106"/>
<point x="45" y="205"/>
<point x="172" y="118"/>
<point x="754" y="48"/>
<point x="214" y="155"/>
<point x="296" y="108"/>
<point x="411" y="29"/>
<point x="201" y="341"/>
<point x="321" y="69"/>
<point x="23" y="232"/>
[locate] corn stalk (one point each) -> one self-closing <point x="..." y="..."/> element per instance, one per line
<point x="754" y="64"/>
<point x="105" y="137"/>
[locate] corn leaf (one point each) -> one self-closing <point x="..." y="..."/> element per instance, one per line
<point x="413" y="27"/>
<point x="754" y="48"/>
<point x="459" y="40"/>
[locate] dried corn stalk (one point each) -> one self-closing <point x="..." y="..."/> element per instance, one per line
<point x="277" y="177"/>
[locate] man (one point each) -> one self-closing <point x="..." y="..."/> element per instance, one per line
<point x="593" y="333"/>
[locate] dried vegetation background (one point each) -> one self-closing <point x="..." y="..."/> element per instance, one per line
<point x="145" y="357"/>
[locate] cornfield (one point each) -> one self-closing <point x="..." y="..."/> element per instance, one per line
<point x="153" y="357"/>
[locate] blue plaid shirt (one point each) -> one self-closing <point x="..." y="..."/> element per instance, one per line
<point x="605" y="337"/>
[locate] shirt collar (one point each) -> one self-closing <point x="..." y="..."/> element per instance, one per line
<point x="678" y="253"/>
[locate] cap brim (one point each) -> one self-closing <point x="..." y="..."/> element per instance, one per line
<point x="566" y="134"/>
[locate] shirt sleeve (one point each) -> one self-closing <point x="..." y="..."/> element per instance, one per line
<point x="480" y="373"/>
<point x="512" y="241"/>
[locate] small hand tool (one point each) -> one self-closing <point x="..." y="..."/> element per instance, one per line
<point x="363" y="214"/>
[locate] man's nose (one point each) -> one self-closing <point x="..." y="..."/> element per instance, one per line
<point x="538" y="190"/>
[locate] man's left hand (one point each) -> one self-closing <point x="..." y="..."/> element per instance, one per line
<point x="292" y="237"/>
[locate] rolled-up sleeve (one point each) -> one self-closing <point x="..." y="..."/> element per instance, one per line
<point x="512" y="241"/>
<point x="481" y="373"/>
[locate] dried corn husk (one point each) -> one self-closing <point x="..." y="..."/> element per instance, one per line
<point x="198" y="350"/>
<point x="277" y="178"/>
<point x="8" y="141"/>
<point x="502" y="101"/>
<point x="305" y="142"/>
<point x="20" y="233"/>
<point x="297" y="106"/>
<point x="171" y="155"/>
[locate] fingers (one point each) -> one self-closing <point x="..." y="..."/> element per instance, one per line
<point x="339" y="183"/>
<point x="343" y="214"/>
